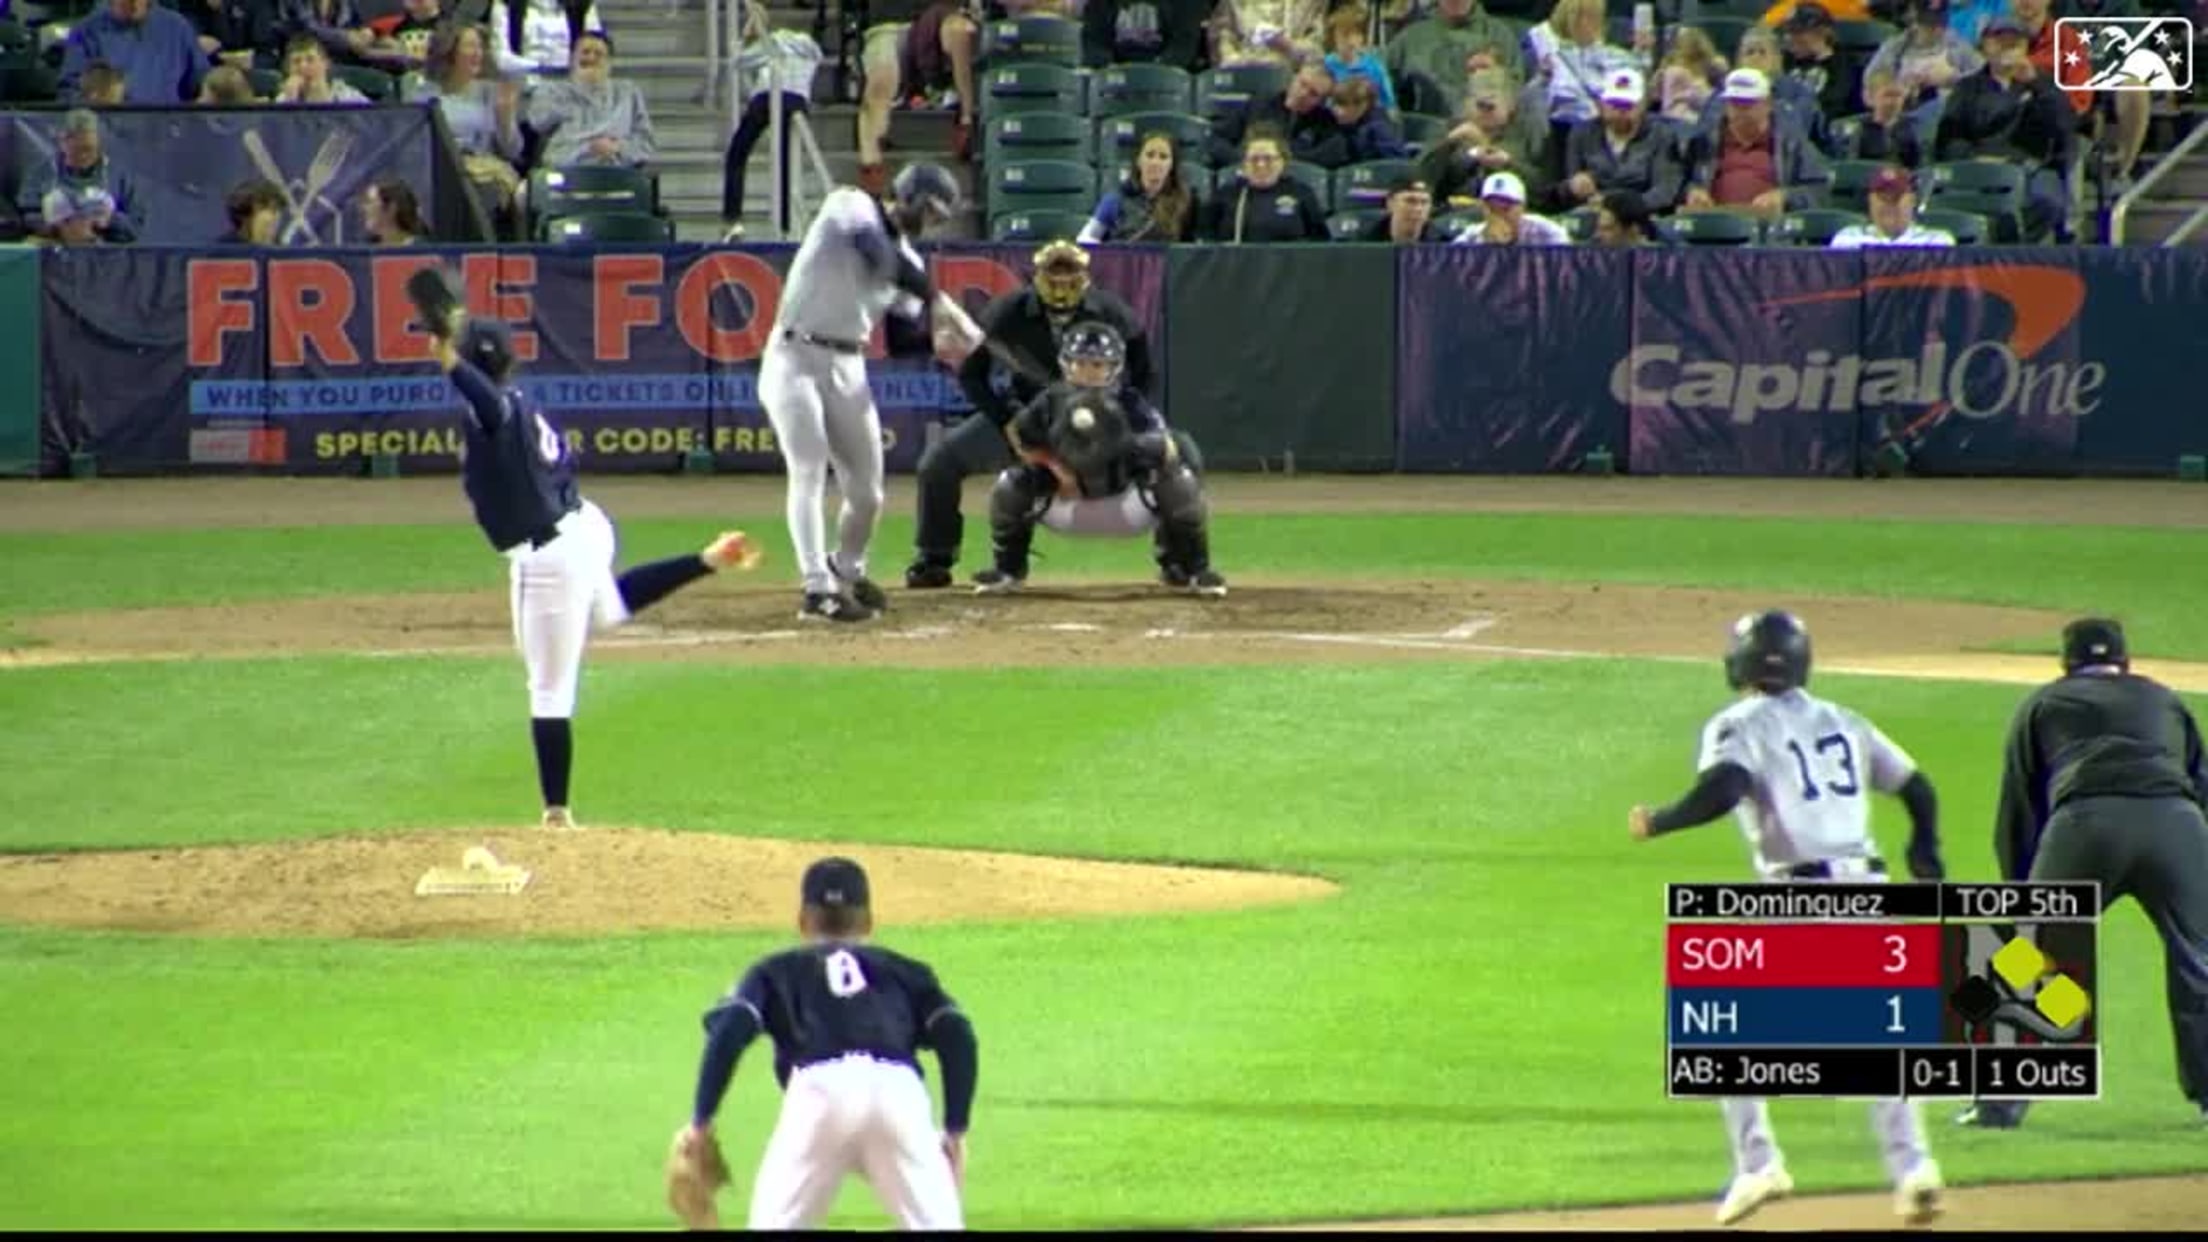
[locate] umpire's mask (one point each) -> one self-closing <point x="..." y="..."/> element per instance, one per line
<point x="1061" y="275"/>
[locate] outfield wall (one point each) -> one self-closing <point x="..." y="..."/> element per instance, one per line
<point x="2054" y="361"/>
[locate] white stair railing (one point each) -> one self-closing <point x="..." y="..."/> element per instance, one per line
<point x="786" y="193"/>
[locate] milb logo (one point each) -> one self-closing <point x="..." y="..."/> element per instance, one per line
<point x="2018" y="988"/>
<point x="2124" y="54"/>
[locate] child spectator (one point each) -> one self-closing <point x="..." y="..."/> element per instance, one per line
<point x="1690" y="75"/>
<point x="1348" y="56"/>
<point x="1371" y="134"/>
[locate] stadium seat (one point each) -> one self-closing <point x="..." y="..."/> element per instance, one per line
<point x="1350" y="226"/>
<point x="1814" y="227"/>
<point x="1123" y="89"/>
<point x="1117" y="137"/>
<point x="1725" y="32"/>
<point x="1041" y="185"/>
<point x="1366" y="185"/>
<point x="1990" y="188"/>
<point x="591" y="188"/>
<point x="265" y="82"/>
<point x="1851" y="183"/>
<point x="1037" y="136"/>
<point x="1321" y="180"/>
<point x="1969" y="228"/>
<point x="1846" y="132"/>
<point x="1012" y="89"/>
<point x="608" y="226"/>
<point x="1223" y="92"/>
<point x="1038" y="39"/>
<point x="1580" y="223"/>
<point x="377" y="85"/>
<point x="1036" y="226"/>
<point x="1452" y="224"/>
<point x="1711" y="228"/>
<point x="1425" y="131"/>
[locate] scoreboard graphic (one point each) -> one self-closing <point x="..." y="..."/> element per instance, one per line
<point x="1873" y="991"/>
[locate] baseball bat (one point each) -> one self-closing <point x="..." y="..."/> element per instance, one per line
<point x="1012" y="358"/>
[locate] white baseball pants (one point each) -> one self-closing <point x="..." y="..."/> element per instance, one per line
<point x="855" y="1116"/>
<point x="1121" y="516"/>
<point x="562" y="591"/>
<point x="823" y="415"/>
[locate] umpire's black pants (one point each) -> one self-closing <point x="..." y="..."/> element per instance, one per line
<point x="2154" y="850"/>
<point x="976" y="446"/>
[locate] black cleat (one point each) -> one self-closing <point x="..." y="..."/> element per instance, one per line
<point x="1208" y="584"/>
<point x="927" y="576"/>
<point x="1173" y="576"/>
<point x="828" y="606"/>
<point x="996" y="582"/>
<point x="862" y="589"/>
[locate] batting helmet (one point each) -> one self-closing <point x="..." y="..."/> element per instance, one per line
<point x="1090" y="341"/>
<point x="1770" y="651"/>
<point x="922" y="188"/>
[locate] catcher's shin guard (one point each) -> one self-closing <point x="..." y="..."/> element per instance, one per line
<point x="1184" y="518"/>
<point x="1016" y="503"/>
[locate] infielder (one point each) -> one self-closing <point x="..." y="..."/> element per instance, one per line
<point x="1094" y="462"/>
<point x="520" y="478"/>
<point x="856" y="263"/>
<point x="847" y="1019"/>
<point x="1794" y="768"/>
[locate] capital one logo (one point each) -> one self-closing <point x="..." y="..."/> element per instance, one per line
<point x="1981" y="380"/>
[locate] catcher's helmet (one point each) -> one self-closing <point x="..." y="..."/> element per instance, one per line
<point x="1770" y="651"/>
<point x="1061" y="275"/>
<point x="923" y="188"/>
<point x="1090" y="341"/>
<point x="489" y="345"/>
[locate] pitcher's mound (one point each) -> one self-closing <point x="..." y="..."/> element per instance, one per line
<point x="595" y="881"/>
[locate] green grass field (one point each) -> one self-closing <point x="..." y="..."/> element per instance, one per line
<point x="1474" y="1023"/>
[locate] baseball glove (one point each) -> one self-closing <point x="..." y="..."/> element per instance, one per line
<point x="439" y="301"/>
<point x="695" y="1174"/>
<point x="1093" y="437"/>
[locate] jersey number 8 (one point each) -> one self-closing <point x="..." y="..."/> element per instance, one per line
<point x="1835" y="748"/>
<point x="549" y="444"/>
<point x="844" y="976"/>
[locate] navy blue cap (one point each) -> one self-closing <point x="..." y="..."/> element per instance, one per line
<point x="834" y="883"/>
<point x="2094" y="640"/>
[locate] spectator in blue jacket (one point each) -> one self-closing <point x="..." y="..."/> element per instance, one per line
<point x="1370" y="132"/>
<point x="156" y="49"/>
<point x="80" y="163"/>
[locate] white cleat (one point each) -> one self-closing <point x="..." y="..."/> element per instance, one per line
<point x="557" y="819"/>
<point x="1921" y="1196"/>
<point x="1750" y="1191"/>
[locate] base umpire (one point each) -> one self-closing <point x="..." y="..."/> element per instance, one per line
<point x="1030" y="321"/>
<point x="2105" y="781"/>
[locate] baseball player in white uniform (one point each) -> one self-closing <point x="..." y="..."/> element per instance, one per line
<point x="1794" y="768"/>
<point x="856" y="263"/>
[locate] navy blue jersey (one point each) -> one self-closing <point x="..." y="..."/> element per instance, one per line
<point x="822" y="1001"/>
<point x="514" y="463"/>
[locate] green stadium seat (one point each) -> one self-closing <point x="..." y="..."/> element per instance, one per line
<point x="607" y="226"/>
<point x="1037" y="136"/>
<point x="1452" y="224"/>
<point x="1037" y="226"/>
<point x="1350" y="226"/>
<point x="1862" y="38"/>
<point x="1367" y="184"/>
<point x="1010" y="89"/>
<point x="1850" y="188"/>
<point x="1580" y="223"/>
<point x="1041" y="185"/>
<point x="265" y="82"/>
<point x="1990" y="188"/>
<point x="377" y="85"/>
<point x="1123" y="89"/>
<point x="1034" y="40"/>
<point x="1969" y="228"/>
<point x="1712" y="228"/>
<point x="1814" y="226"/>
<point x="591" y="188"/>
<point x="1725" y="32"/>
<point x="1223" y="92"/>
<point x="1425" y="131"/>
<point x="1118" y="137"/>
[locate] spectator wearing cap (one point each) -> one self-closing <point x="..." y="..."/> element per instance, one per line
<point x="1508" y="223"/>
<point x="2009" y="110"/>
<point x="256" y="212"/>
<point x="1812" y="56"/>
<point x="77" y="216"/>
<point x="1262" y="203"/>
<point x="2050" y="43"/>
<point x="1749" y="163"/>
<point x="1893" y="217"/>
<point x="1886" y="132"/>
<point x="1623" y="150"/>
<point x="1370" y="134"/>
<point x="155" y="47"/>
<point x="1926" y="60"/>
<point x="1410" y="218"/>
<point x="1571" y="64"/>
<point x="592" y="117"/>
<point x="1299" y="114"/>
<point x="80" y="162"/>
<point x="1793" y="105"/>
<point x="1444" y="51"/>
<point x="1623" y="219"/>
<point x="1492" y="135"/>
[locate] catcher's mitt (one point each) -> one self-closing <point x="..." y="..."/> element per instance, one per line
<point x="695" y="1174"/>
<point x="439" y="300"/>
<point x="1093" y="437"/>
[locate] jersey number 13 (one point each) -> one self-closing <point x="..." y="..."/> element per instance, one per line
<point x="1827" y="767"/>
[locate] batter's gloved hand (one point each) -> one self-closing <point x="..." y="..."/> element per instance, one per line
<point x="695" y="1174"/>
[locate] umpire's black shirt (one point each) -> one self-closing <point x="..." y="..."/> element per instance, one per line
<point x="2092" y="735"/>
<point x="1020" y="320"/>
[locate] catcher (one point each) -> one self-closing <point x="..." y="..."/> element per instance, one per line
<point x="1095" y="463"/>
